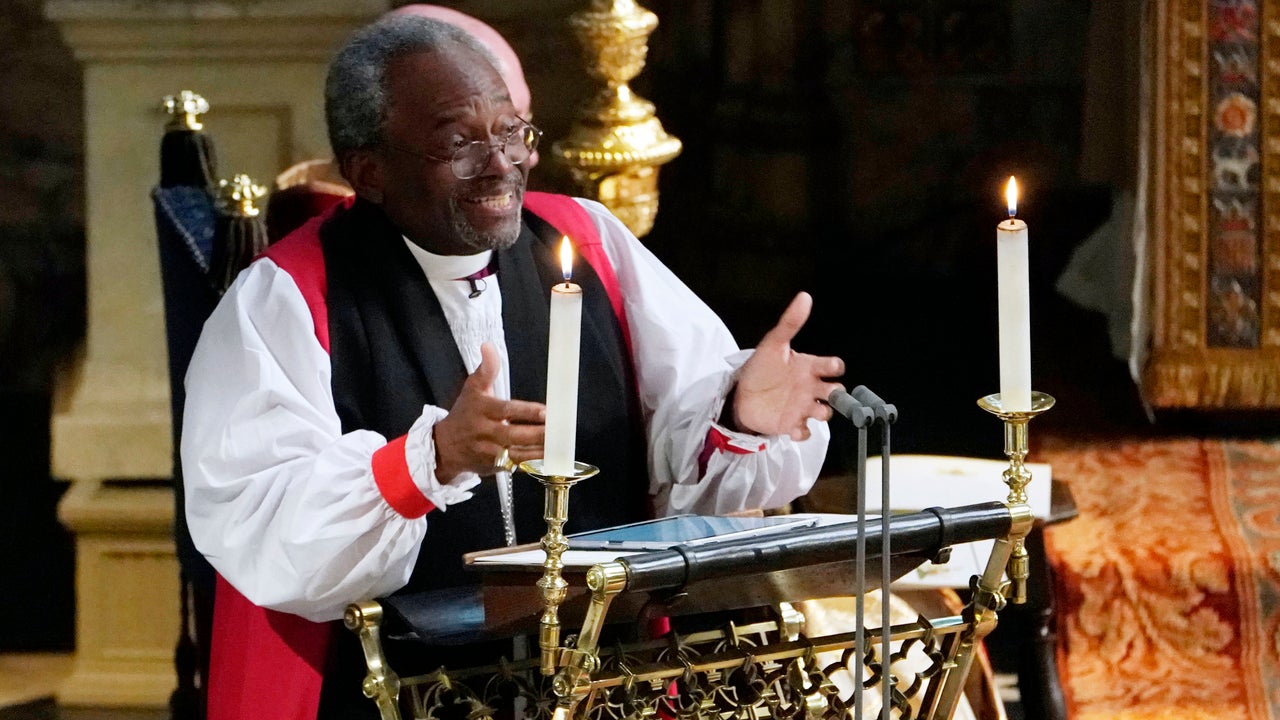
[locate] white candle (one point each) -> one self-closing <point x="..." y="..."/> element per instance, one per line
<point x="562" y="370"/>
<point x="1015" y="308"/>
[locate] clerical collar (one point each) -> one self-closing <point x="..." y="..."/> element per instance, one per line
<point x="476" y="280"/>
<point x="449" y="267"/>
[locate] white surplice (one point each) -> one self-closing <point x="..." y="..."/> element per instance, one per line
<point x="284" y="504"/>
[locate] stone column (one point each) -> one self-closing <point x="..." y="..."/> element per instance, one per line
<point x="261" y="66"/>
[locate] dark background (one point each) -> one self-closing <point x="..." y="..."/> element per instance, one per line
<point x="858" y="150"/>
<point x="42" y="290"/>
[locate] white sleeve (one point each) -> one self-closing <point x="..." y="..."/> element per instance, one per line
<point x="281" y="502"/>
<point x="685" y="361"/>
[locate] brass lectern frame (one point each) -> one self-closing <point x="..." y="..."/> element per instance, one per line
<point x="704" y="674"/>
<point x="720" y="673"/>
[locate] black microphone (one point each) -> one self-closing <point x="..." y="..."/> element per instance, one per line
<point x="848" y="406"/>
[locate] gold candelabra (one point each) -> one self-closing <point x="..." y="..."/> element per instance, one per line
<point x="1017" y="476"/>
<point x="614" y="149"/>
<point x="552" y="584"/>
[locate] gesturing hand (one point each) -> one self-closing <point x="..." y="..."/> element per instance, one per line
<point x="479" y="425"/>
<point x="778" y="388"/>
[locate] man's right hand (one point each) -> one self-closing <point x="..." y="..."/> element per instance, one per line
<point x="480" y="426"/>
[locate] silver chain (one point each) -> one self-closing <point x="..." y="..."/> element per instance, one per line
<point x="506" y="504"/>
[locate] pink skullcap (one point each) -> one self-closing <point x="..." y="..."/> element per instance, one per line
<point x="508" y="63"/>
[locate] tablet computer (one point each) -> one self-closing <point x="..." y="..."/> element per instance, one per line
<point x="663" y="533"/>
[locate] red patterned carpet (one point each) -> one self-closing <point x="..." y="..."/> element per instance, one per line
<point x="1169" y="580"/>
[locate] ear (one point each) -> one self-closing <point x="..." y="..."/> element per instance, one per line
<point x="363" y="170"/>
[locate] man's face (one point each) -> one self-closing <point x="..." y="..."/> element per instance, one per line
<point x="436" y="102"/>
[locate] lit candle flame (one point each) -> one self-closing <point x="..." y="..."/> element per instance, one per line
<point x="1011" y="196"/>
<point x="566" y="258"/>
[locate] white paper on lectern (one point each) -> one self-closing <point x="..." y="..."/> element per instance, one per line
<point x="917" y="482"/>
<point x="534" y="557"/>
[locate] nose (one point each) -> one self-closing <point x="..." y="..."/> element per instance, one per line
<point x="502" y="166"/>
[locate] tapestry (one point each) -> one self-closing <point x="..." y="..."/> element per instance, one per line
<point x="1167" y="582"/>
<point x="1234" y="182"/>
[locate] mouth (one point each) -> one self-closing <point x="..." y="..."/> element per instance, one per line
<point x="487" y="215"/>
<point x="498" y="203"/>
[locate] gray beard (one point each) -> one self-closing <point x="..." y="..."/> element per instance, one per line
<point x="478" y="240"/>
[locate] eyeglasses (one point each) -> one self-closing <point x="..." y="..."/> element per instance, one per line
<point x="471" y="159"/>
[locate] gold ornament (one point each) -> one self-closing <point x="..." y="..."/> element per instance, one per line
<point x="614" y="149"/>
<point x="185" y="110"/>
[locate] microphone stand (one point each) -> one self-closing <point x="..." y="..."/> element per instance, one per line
<point x="861" y="416"/>
<point x="885" y="415"/>
<point x="864" y="408"/>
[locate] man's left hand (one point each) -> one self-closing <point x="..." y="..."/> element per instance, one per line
<point x="778" y="388"/>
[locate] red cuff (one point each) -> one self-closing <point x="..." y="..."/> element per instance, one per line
<point x="391" y="473"/>
<point x="717" y="440"/>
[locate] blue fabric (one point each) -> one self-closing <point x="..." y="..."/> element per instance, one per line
<point x="185" y="220"/>
<point x="186" y="214"/>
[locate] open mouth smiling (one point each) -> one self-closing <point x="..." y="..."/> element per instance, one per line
<point x="502" y="201"/>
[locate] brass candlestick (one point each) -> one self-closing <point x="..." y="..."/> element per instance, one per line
<point x="1017" y="476"/>
<point x="553" y="586"/>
